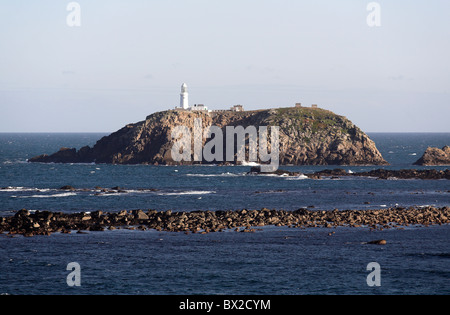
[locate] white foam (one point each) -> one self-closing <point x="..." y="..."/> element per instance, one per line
<point x="299" y="177"/>
<point x="134" y="191"/>
<point x="68" y="194"/>
<point x="250" y="164"/>
<point x="270" y="175"/>
<point x="23" y="189"/>
<point x="9" y="162"/>
<point x="189" y="192"/>
<point x="227" y="174"/>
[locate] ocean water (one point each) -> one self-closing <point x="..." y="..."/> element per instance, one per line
<point x="274" y="260"/>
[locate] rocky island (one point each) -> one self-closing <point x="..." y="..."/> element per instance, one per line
<point x="435" y="156"/>
<point x="308" y="136"/>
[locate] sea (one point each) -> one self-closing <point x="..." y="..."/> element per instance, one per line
<point x="271" y="261"/>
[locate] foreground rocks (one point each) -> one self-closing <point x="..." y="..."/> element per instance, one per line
<point x="29" y="223"/>
<point x="435" y="156"/>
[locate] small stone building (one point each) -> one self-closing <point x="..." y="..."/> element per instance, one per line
<point x="237" y="108"/>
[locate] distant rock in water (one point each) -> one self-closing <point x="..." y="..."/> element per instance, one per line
<point x="378" y="173"/>
<point x="435" y="156"/>
<point x="255" y="170"/>
<point x="308" y="136"/>
<point x="378" y="242"/>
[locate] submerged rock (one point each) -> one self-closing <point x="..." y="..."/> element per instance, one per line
<point x="67" y="187"/>
<point x="378" y="242"/>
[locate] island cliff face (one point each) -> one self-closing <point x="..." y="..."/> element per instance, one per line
<point x="435" y="156"/>
<point x="308" y="136"/>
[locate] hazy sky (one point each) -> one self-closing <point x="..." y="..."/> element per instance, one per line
<point x="129" y="58"/>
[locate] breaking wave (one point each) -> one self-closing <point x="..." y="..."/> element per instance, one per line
<point x="67" y="194"/>
<point x="188" y="192"/>
<point x="23" y="189"/>
<point x="227" y="174"/>
<point x="300" y="177"/>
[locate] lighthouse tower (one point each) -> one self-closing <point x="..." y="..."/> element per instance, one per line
<point x="184" y="97"/>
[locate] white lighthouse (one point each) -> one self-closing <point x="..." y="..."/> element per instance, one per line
<point x="184" y="97"/>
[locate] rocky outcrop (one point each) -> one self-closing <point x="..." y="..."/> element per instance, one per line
<point x="406" y="174"/>
<point x="255" y="170"/>
<point x="29" y="223"/>
<point x="435" y="156"/>
<point x="308" y="136"/>
<point x="378" y="242"/>
<point x="378" y="173"/>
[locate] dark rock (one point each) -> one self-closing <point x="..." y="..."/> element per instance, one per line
<point x="97" y="214"/>
<point x="64" y="155"/>
<point x="257" y="170"/>
<point x="67" y="187"/>
<point x="333" y="172"/>
<point x="378" y="242"/>
<point x="386" y="174"/>
<point x="96" y="227"/>
<point x="22" y="213"/>
<point x="302" y="211"/>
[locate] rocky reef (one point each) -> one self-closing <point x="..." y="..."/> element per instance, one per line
<point x="308" y="136"/>
<point x="435" y="156"/>
<point x="378" y="173"/>
<point x="29" y="223"/>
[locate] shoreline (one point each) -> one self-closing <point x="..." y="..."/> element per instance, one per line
<point x="29" y="224"/>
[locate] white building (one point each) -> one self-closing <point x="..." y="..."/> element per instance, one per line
<point x="199" y="107"/>
<point x="184" y="101"/>
<point x="237" y="108"/>
<point x="184" y="97"/>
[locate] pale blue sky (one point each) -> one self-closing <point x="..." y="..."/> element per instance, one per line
<point x="128" y="59"/>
